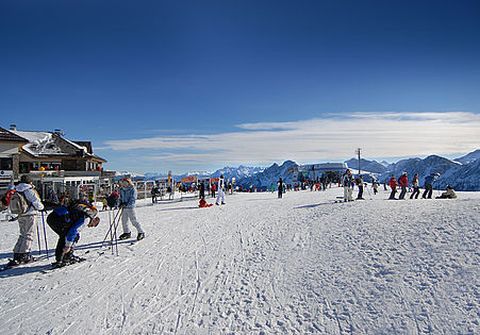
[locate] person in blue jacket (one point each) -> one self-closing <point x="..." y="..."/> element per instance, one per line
<point x="429" y="180"/>
<point x="128" y="198"/>
<point x="67" y="222"/>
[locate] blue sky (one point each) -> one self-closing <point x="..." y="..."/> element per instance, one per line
<point x="139" y="78"/>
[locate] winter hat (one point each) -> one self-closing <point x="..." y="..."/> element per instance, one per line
<point x="25" y="179"/>
<point x="127" y="181"/>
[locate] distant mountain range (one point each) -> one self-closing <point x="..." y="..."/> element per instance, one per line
<point x="424" y="167"/>
<point x="238" y="173"/>
<point x="469" y="158"/>
<point x="270" y="176"/>
<point x="228" y="173"/>
<point x="366" y="165"/>
<point x="462" y="173"/>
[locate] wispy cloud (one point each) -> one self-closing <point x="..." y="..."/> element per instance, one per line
<point x="332" y="138"/>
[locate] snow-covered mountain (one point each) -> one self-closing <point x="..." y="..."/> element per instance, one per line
<point x="470" y="157"/>
<point x="154" y="175"/>
<point x="385" y="163"/>
<point x="129" y="174"/>
<point x="237" y="172"/>
<point x="271" y="175"/>
<point x="464" y="177"/>
<point x="366" y="165"/>
<point x="228" y="172"/>
<point x="424" y="167"/>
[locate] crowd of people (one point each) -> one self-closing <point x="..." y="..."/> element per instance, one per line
<point x="67" y="219"/>
<point x="403" y="184"/>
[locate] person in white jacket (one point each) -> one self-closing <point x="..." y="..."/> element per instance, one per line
<point x="26" y="222"/>
<point x="347" y="186"/>
<point x="221" y="191"/>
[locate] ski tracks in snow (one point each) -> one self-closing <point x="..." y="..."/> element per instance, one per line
<point x="268" y="267"/>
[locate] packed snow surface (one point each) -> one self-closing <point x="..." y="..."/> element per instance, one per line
<point x="261" y="265"/>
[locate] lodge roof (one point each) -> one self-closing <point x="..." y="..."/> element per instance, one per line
<point x="6" y="135"/>
<point x="43" y="143"/>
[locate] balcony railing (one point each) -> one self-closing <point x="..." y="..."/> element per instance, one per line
<point x="62" y="173"/>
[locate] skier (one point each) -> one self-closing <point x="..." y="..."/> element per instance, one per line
<point x="359" y="182"/>
<point x="128" y="198"/>
<point x="280" y="188"/>
<point x="393" y="185"/>
<point x="347" y="186"/>
<point x="221" y="191"/>
<point x="427" y="194"/>
<point x="154" y="193"/>
<point x="67" y="222"/>
<point x="416" y="188"/>
<point x="104" y="203"/>
<point x="203" y="203"/>
<point x="403" y="181"/>
<point x="112" y="199"/>
<point x="375" y="187"/>
<point x="202" y="190"/>
<point x="27" y="202"/>
<point x="449" y="194"/>
<point x="50" y="201"/>
<point x="213" y="189"/>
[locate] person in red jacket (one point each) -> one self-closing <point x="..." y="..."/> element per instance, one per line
<point x="393" y="185"/>
<point x="403" y="181"/>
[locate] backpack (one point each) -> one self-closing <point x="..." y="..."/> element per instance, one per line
<point x="18" y="204"/>
<point x="112" y="201"/>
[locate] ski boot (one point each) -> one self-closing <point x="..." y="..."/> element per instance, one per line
<point x="27" y="258"/>
<point x="125" y="236"/>
<point x="140" y="236"/>
<point x="16" y="261"/>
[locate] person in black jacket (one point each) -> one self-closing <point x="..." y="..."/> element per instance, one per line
<point x="201" y="188"/>
<point x="67" y="222"/>
<point x="280" y="188"/>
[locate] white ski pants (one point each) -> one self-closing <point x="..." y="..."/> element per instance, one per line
<point x="129" y="214"/>
<point x="347" y="193"/>
<point x="220" y="196"/>
<point x="26" y="224"/>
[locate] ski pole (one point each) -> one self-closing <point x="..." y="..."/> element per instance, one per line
<point x="115" y="229"/>
<point x="38" y="239"/>
<point x="45" y="235"/>
<point x="110" y="224"/>
<point x="110" y="228"/>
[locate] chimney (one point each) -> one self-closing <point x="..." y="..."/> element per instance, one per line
<point x="59" y="132"/>
<point x="13" y="126"/>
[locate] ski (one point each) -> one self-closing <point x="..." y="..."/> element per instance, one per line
<point x="56" y="266"/>
<point x="34" y="260"/>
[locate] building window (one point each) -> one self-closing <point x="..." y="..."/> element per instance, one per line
<point x="6" y="164"/>
<point x="25" y="167"/>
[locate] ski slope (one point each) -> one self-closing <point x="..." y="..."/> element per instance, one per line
<point x="261" y="265"/>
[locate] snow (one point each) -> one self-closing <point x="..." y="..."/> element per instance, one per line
<point x="40" y="143"/>
<point x="261" y="265"/>
<point x="469" y="158"/>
